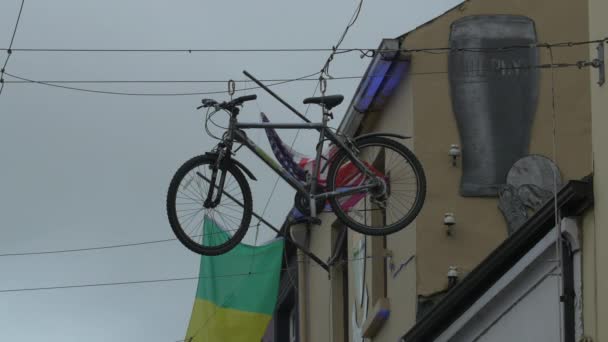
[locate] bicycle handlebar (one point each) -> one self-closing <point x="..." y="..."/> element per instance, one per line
<point x="227" y="105"/>
<point x="246" y="98"/>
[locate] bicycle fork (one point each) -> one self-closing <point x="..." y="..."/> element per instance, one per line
<point x="209" y="201"/>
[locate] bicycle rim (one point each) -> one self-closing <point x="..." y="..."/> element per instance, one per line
<point x="214" y="230"/>
<point x="389" y="207"/>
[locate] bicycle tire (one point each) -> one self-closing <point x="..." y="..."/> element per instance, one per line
<point x="420" y="192"/>
<point x="172" y="212"/>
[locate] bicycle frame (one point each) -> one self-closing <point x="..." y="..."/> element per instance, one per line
<point x="235" y="132"/>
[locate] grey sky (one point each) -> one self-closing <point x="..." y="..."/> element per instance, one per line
<point x="81" y="170"/>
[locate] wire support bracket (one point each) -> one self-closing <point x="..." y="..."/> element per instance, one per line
<point x="600" y="64"/>
<point x="597" y="63"/>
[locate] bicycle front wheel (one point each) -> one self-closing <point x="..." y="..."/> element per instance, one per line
<point x="208" y="230"/>
<point x="396" y="199"/>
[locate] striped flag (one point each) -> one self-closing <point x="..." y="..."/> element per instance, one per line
<point x="237" y="291"/>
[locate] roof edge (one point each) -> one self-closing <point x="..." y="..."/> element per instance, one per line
<point x="459" y="5"/>
<point x="353" y="117"/>
<point x="573" y="199"/>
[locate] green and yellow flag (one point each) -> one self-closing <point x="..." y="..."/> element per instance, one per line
<point x="237" y="291"/>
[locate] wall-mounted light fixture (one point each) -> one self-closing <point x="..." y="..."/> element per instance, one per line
<point x="454" y="152"/>
<point x="452" y="276"/>
<point x="449" y="221"/>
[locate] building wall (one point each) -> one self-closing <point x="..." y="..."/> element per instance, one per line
<point x="595" y="236"/>
<point x="318" y="283"/>
<point x="480" y="226"/>
<point x="524" y="304"/>
<point x="421" y="107"/>
<point x="397" y="117"/>
<point x="320" y="296"/>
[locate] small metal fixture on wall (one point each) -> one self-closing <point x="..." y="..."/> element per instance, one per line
<point x="597" y="63"/>
<point x="454" y="152"/>
<point x="449" y="221"/>
<point x="600" y="64"/>
<point x="452" y="276"/>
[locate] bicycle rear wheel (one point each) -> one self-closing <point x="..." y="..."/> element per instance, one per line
<point x="214" y="230"/>
<point x="391" y="205"/>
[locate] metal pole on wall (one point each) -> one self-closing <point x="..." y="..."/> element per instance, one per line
<point x="286" y="236"/>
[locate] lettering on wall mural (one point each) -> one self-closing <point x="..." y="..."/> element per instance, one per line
<point x="494" y="99"/>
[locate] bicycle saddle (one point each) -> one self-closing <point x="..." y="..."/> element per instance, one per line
<point x="328" y="102"/>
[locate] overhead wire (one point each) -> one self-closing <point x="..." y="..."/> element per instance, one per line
<point x="182" y="81"/>
<point x="118" y="283"/>
<point x="10" y="46"/>
<point x="150" y="94"/>
<point x="163" y="280"/>
<point x="552" y="66"/>
<point x="319" y="84"/>
<point x="323" y="70"/>
<point x="578" y="64"/>
<point x="337" y="49"/>
<point x="73" y="250"/>
<point x="558" y="240"/>
<point x="282" y="81"/>
<point x="58" y="83"/>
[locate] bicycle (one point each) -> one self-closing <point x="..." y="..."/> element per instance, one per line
<point x="364" y="189"/>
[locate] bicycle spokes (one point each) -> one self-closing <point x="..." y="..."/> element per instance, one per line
<point x="396" y="188"/>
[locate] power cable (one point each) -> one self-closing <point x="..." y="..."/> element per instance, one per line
<point x="441" y="50"/>
<point x="276" y="182"/>
<point x="351" y="22"/>
<point x="298" y="50"/>
<point x="558" y="240"/>
<point x="9" y="51"/>
<point x="61" y="251"/>
<point x="180" y="81"/>
<point x="234" y="275"/>
<point x="27" y="80"/>
<point x="324" y="71"/>
<point x="162" y="81"/>
<point x="101" y="284"/>
<point x="99" y="50"/>
<point x="164" y="280"/>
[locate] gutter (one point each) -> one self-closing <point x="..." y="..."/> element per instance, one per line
<point x="572" y="200"/>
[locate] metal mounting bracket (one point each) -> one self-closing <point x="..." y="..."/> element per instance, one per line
<point x="597" y="63"/>
<point x="284" y="234"/>
<point x="600" y="63"/>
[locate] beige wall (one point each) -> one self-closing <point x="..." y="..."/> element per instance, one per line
<point x="480" y="225"/>
<point x="321" y="297"/>
<point x="317" y="312"/>
<point x="398" y="117"/>
<point x="595" y="236"/>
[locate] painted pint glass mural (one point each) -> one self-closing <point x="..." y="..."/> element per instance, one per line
<point x="493" y="98"/>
